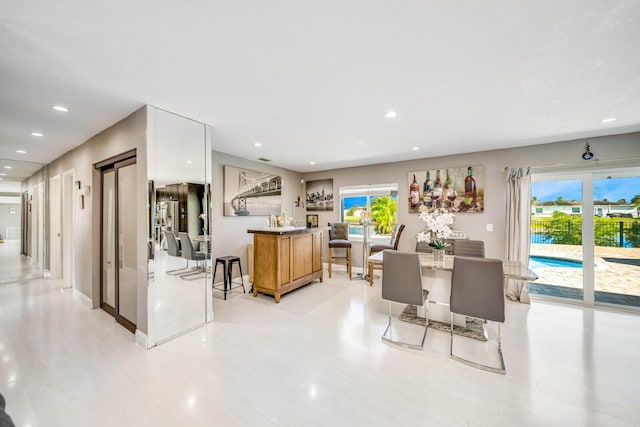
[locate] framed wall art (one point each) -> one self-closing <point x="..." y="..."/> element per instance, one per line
<point x="456" y="190"/>
<point x="248" y="192"/>
<point x="320" y="195"/>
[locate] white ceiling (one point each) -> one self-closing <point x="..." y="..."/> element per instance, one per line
<point x="311" y="80"/>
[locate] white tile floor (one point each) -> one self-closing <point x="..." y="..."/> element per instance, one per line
<point x="315" y="359"/>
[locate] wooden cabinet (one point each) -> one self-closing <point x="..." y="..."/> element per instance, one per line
<point x="285" y="260"/>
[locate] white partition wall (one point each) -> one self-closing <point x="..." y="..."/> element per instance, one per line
<point x="179" y="295"/>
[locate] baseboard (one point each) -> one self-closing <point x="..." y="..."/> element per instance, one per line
<point x="141" y="339"/>
<point x="85" y="300"/>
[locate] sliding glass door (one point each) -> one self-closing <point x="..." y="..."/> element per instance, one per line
<point x="616" y="198"/>
<point x="585" y="244"/>
<point x="556" y="253"/>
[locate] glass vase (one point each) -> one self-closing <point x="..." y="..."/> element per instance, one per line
<point x="438" y="257"/>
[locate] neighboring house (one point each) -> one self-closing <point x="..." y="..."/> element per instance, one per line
<point x="613" y="211"/>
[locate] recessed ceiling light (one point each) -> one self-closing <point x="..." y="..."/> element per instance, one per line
<point x="257" y="144"/>
<point x="390" y="114"/>
<point x="415" y="148"/>
<point x="36" y="134"/>
<point x="60" y="108"/>
<point x="1" y="179"/>
<point x="3" y="174"/>
<point x="609" y="120"/>
<point x="312" y="163"/>
<point x="8" y="167"/>
<point x="189" y="162"/>
<point x="21" y="152"/>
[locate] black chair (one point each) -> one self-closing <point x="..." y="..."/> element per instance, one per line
<point x="477" y="290"/>
<point x="339" y="239"/>
<point x="393" y="244"/>
<point x="469" y="248"/>
<point x="402" y="282"/>
<point x="189" y="253"/>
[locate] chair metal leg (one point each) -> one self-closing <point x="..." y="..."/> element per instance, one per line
<point x="501" y="370"/>
<point x="389" y="328"/>
<point x="177" y="271"/>
<point x="197" y="270"/>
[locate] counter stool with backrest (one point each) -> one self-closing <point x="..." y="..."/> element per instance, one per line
<point x="393" y="245"/>
<point x="227" y="271"/>
<point x="339" y="239"/>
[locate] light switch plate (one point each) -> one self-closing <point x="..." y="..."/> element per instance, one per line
<point x="489" y="227"/>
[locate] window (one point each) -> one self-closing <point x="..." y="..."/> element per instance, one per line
<point x="378" y="202"/>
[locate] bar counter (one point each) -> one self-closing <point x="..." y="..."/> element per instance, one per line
<point x="286" y="258"/>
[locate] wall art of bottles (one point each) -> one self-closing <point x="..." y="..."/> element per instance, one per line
<point x="455" y="189"/>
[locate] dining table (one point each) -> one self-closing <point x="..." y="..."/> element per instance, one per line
<point x="437" y="279"/>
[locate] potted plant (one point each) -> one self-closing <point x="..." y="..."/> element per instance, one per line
<point x="438" y="227"/>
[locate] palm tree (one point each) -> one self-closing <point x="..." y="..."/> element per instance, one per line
<point x="383" y="213"/>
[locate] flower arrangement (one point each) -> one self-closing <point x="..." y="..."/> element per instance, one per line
<point x="438" y="227"/>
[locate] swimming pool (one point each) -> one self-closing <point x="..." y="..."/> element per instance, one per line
<point x="543" y="261"/>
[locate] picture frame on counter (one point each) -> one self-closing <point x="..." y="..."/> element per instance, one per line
<point x="312" y="221"/>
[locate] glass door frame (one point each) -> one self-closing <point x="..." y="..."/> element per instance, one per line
<point x="588" y="231"/>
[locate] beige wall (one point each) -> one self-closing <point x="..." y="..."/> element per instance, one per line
<point x="230" y="235"/>
<point x="127" y="134"/>
<point x="607" y="147"/>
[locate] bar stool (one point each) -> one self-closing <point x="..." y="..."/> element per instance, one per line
<point x="339" y="239"/>
<point x="227" y="270"/>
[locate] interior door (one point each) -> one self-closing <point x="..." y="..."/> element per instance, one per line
<point x="67" y="230"/>
<point x="119" y="259"/>
<point x="55" y="218"/>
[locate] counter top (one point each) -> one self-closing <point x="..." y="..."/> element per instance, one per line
<point x="286" y="230"/>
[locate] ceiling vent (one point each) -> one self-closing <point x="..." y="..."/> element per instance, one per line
<point x="262" y="159"/>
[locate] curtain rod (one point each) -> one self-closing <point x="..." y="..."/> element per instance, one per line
<point x="584" y="163"/>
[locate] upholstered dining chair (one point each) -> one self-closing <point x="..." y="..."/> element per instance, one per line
<point x="174" y="251"/>
<point x="339" y="239"/>
<point x="469" y="248"/>
<point x="393" y="244"/>
<point x="189" y="253"/>
<point x="425" y="248"/>
<point x="402" y="282"/>
<point x="477" y="291"/>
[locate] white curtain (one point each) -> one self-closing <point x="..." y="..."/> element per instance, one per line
<point x="518" y="220"/>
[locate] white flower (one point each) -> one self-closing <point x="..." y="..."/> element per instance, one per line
<point x="438" y="226"/>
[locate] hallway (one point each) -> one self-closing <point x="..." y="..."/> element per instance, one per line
<point x="15" y="267"/>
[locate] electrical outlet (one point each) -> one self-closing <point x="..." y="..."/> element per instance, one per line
<point x="489" y="227"/>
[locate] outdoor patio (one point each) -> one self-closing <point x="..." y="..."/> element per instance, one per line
<point x="617" y="270"/>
